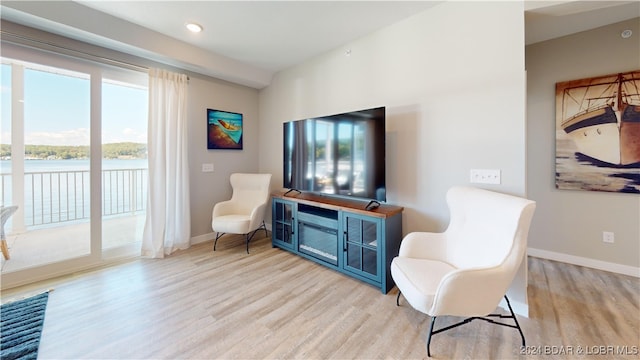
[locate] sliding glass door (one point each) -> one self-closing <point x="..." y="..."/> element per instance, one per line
<point x="73" y="160"/>
<point x="124" y="164"/>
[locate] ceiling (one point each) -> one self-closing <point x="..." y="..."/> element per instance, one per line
<point x="248" y="41"/>
<point x="272" y="35"/>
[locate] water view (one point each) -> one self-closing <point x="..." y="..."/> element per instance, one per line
<point x="58" y="190"/>
<point x="73" y="165"/>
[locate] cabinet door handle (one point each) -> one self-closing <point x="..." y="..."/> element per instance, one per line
<point x="345" y="238"/>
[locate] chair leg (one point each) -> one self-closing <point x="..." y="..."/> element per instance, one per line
<point x="433" y="322"/>
<point x="263" y="226"/>
<point x="515" y="320"/>
<point x="247" y="236"/>
<point x="218" y="236"/>
<point x="5" y="249"/>
<point x="487" y="318"/>
<point x="250" y="237"/>
<point x="398" y="298"/>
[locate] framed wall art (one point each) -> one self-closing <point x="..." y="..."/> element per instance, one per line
<point x="598" y="133"/>
<point x="224" y="130"/>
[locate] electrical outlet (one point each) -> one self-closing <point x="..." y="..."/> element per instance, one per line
<point x="207" y="167"/>
<point x="608" y="237"/>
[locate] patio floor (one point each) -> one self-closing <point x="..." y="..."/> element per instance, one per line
<point x="65" y="241"/>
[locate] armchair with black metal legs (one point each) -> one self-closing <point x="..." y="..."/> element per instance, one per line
<point x="466" y="270"/>
<point x="244" y="212"/>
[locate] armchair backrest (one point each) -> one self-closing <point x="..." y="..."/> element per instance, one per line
<point x="250" y="190"/>
<point x="487" y="229"/>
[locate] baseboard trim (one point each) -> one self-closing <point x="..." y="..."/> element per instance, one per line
<point x="203" y="238"/>
<point x="586" y="262"/>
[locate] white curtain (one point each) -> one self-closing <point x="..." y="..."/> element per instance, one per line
<point x="168" y="224"/>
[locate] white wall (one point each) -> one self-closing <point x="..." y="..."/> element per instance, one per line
<point x="568" y="225"/>
<point x="452" y="79"/>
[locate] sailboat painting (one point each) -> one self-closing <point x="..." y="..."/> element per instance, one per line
<point x="224" y="130"/>
<point x="598" y="133"/>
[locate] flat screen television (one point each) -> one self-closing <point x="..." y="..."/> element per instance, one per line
<point x="341" y="155"/>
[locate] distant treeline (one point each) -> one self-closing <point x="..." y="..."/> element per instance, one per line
<point x="126" y="150"/>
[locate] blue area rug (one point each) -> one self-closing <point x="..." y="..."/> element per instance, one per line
<point x="20" y="327"/>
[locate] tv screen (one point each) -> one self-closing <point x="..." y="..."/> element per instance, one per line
<point x="341" y="154"/>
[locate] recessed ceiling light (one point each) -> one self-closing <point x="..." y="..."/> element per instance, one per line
<point x="193" y="27"/>
<point x="626" y="34"/>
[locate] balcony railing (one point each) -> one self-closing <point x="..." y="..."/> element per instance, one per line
<point x="62" y="196"/>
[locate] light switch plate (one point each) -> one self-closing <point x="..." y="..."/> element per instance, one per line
<point x="485" y="176"/>
<point x="207" y="167"/>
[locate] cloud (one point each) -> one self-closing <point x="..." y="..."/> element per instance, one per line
<point x="125" y="135"/>
<point x="73" y="137"/>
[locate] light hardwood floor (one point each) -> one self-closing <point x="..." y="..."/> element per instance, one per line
<point x="200" y="304"/>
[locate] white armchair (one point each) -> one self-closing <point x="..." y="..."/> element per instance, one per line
<point x="466" y="270"/>
<point x="244" y="212"/>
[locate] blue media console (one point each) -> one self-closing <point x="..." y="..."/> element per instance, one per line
<point x="339" y="233"/>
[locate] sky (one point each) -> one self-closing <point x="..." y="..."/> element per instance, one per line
<point x="56" y="109"/>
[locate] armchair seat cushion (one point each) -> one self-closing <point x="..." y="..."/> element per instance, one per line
<point x="418" y="288"/>
<point x="232" y="224"/>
